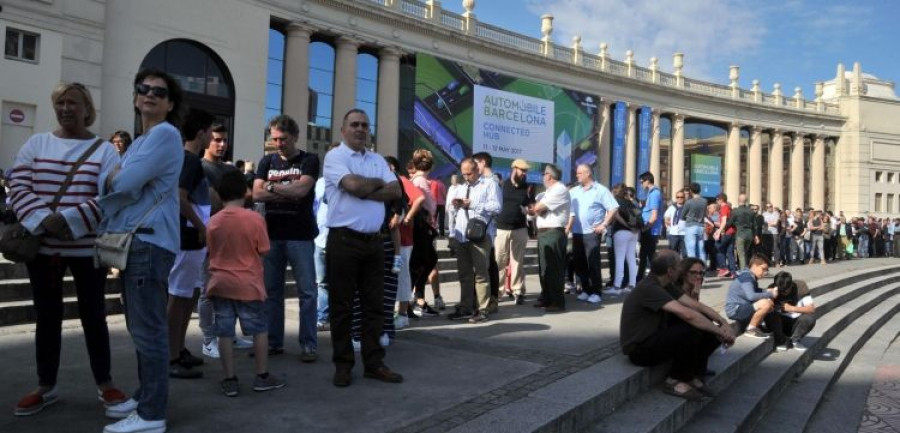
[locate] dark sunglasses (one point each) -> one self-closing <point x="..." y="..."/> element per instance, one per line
<point x="144" y="89"/>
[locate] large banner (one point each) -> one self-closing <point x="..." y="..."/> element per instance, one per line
<point x="644" y="143"/>
<point x="617" y="168"/>
<point x="707" y="171"/>
<point x="460" y="109"/>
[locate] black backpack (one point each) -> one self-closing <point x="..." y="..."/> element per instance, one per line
<point x="632" y="215"/>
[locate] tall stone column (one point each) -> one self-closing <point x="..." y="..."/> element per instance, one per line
<point x="776" y="169"/>
<point x="344" y="83"/>
<point x="654" y="145"/>
<point x="295" y="93"/>
<point x="604" y="153"/>
<point x="388" y="101"/>
<point x="631" y="146"/>
<point x="754" y="167"/>
<point x="817" y="174"/>
<point x="797" y="172"/>
<point x="733" y="162"/>
<point x="676" y="162"/>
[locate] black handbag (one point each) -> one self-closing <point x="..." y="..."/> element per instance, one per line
<point x="476" y="230"/>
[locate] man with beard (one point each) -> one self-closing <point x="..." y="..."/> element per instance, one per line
<point x="512" y="230"/>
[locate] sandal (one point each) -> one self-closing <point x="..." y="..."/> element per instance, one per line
<point x="690" y="395"/>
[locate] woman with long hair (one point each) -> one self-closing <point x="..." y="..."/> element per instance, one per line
<point x="625" y="237"/>
<point x="68" y="231"/>
<point x="690" y="276"/>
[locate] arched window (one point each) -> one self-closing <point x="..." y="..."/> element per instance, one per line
<point x="203" y="76"/>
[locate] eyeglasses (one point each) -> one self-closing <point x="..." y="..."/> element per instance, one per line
<point x="363" y="125"/>
<point x="145" y="89"/>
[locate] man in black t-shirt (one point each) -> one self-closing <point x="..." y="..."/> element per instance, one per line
<point x="660" y="322"/>
<point x="284" y="182"/>
<point x="512" y="229"/>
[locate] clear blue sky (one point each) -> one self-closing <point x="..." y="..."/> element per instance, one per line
<point x="793" y="42"/>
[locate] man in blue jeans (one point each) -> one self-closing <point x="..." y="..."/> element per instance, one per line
<point x="652" y="215"/>
<point x="284" y="182"/>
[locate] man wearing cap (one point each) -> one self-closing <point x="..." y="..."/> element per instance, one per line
<point x="593" y="208"/>
<point x="512" y="229"/>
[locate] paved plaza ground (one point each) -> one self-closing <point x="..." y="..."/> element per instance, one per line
<point x="454" y="372"/>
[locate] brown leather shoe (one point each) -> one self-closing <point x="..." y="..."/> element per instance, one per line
<point x="383" y="374"/>
<point x="342" y="378"/>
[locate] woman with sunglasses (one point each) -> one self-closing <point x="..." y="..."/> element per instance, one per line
<point x="144" y="187"/>
<point x="68" y="231"/>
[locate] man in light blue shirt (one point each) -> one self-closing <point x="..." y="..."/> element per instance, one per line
<point x="478" y="198"/>
<point x="593" y="209"/>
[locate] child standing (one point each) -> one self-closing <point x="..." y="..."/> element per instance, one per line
<point x="236" y="238"/>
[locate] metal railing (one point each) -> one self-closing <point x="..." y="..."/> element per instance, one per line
<point x="535" y="46"/>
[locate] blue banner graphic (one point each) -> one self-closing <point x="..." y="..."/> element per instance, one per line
<point x="617" y="167"/>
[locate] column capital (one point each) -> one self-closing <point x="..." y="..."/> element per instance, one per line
<point x="678" y="118"/>
<point x="656" y="113"/>
<point x="632" y="106"/>
<point x="756" y="129"/>
<point x="295" y="28"/>
<point x="390" y="53"/>
<point x="734" y="124"/>
<point x="346" y="41"/>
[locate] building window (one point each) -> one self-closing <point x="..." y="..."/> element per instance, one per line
<point x="890" y="178"/>
<point x="878" y="197"/>
<point x="879" y="176"/>
<point x="889" y="206"/>
<point x="21" y="45"/>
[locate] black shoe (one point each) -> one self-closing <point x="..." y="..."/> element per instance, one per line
<point x="425" y="310"/>
<point x="179" y="371"/>
<point x="383" y="374"/>
<point x="188" y="360"/>
<point x="459" y="315"/>
<point x="479" y="318"/>
<point x="412" y="314"/>
<point x="520" y="299"/>
<point x="342" y="378"/>
<point x="273" y="351"/>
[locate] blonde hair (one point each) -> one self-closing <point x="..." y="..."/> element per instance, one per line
<point x="64" y="87"/>
<point x="422" y="159"/>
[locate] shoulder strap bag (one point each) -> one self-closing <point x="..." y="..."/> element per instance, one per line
<point x="17" y="243"/>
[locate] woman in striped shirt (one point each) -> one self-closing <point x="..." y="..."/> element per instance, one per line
<point x="68" y="231"/>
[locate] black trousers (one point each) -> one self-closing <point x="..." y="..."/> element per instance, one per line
<point x="648" y="250"/>
<point x="494" y="275"/>
<point x="441" y="215"/>
<point x="422" y="261"/>
<point x="46" y="276"/>
<point x="689" y="349"/>
<point x="795" y="329"/>
<point x="587" y="264"/>
<point x="354" y="267"/>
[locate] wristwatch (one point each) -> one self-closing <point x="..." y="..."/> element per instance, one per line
<point x="270" y="187"/>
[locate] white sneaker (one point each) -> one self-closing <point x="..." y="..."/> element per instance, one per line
<point x="211" y="349"/>
<point x="385" y="340"/>
<point x="401" y="322"/>
<point x="357" y="345"/>
<point x="583" y="296"/>
<point x="398" y="263"/>
<point x="594" y="299"/>
<point x="240" y="344"/>
<point x="121" y="410"/>
<point x="612" y="291"/>
<point x="135" y="424"/>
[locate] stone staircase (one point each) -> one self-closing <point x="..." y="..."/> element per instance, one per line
<point x="758" y="389"/>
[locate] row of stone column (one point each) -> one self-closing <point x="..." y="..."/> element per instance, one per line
<point x="732" y="169"/>
<point x="295" y="98"/>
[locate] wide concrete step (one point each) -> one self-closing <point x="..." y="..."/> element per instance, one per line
<point x="741" y="406"/>
<point x="798" y="402"/>
<point x="841" y="408"/>
<point x="615" y="395"/>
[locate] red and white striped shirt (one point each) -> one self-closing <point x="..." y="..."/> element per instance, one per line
<point x="40" y="169"/>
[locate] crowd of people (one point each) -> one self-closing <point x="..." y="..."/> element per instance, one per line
<point x="359" y="236"/>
